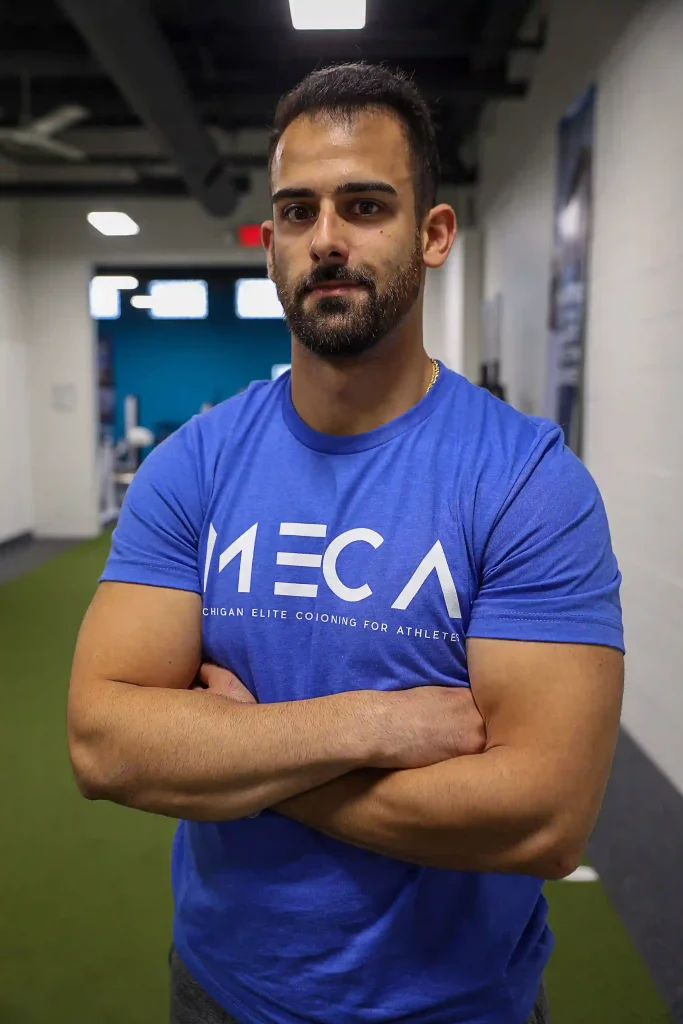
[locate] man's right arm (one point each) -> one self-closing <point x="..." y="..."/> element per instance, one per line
<point x="140" y="737"/>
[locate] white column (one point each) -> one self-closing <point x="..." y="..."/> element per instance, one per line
<point x="63" y="396"/>
<point x="16" y="513"/>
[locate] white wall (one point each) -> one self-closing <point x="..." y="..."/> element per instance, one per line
<point x="518" y="162"/>
<point x="634" y="372"/>
<point x="15" y="453"/>
<point x="60" y="252"/>
<point x="634" y="415"/>
<point x="453" y="304"/>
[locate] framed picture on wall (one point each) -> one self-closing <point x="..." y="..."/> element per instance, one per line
<point x="569" y="271"/>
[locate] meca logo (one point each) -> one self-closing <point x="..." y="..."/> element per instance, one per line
<point x="245" y="546"/>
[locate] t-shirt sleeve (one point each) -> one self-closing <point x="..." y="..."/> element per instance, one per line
<point x="548" y="569"/>
<point x="156" y="539"/>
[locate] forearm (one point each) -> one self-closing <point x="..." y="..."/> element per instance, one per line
<point x="191" y="755"/>
<point x="490" y="812"/>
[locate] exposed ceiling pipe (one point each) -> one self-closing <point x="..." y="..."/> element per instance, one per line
<point x="126" y="40"/>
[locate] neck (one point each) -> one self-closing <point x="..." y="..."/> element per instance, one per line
<point x="353" y="396"/>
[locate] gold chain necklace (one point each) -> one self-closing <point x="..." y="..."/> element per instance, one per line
<point x="435" y="373"/>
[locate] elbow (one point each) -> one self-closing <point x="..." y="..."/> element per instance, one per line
<point x="92" y="777"/>
<point x="559" y="863"/>
<point x="88" y="778"/>
<point x="90" y="753"/>
<point x="558" y="854"/>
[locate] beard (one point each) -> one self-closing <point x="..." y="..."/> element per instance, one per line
<point x="341" y="326"/>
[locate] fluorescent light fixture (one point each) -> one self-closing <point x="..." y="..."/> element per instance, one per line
<point x="113" y="223"/>
<point x="256" y="299"/>
<point x="124" y="282"/>
<point x="327" y="14"/>
<point x="141" y="301"/>
<point x="105" y="300"/>
<point x="179" y="300"/>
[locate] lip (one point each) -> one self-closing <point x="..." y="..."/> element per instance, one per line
<point x="334" y="288"/>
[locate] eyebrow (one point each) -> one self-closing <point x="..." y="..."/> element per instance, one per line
<point x="348" y="188"/>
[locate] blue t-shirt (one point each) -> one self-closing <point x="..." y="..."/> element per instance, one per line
<point x="329" y="564"/>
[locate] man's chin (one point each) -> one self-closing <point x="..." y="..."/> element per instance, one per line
<point x="335" y="345"/>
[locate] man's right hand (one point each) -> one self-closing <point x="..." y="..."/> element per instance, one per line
<point x="428" y="724"/>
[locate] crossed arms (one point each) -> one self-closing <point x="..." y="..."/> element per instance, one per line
<point x="345" y="764"/>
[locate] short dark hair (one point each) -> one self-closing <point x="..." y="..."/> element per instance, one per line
<point x="341" y="90"/>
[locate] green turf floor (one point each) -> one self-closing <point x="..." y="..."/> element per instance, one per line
<point x="85" y="904"/>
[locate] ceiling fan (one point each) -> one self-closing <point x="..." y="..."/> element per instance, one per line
<point x="36" y="136"/>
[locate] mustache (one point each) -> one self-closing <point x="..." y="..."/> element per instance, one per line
<point x="322" y="275"/>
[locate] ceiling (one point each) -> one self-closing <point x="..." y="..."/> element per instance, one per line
<point x="179" y="93"/>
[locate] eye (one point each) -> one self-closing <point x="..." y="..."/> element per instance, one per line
<point x="296" y="213"/>
<point x="366" y="207"/>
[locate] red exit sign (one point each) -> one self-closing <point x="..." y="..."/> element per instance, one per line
<point x="249" y="235"/>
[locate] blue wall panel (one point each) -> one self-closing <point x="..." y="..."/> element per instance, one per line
<point x="173" y="366"/>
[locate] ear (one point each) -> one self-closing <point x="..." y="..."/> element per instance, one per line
<point x="438" y="234"/>
<point x="267" y="234"/>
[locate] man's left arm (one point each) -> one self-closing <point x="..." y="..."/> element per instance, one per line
<point x="528" y="803"/>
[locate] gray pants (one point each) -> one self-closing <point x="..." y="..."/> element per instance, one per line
<point x="190" y="1004"/>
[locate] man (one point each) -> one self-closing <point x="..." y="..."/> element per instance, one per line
<point x="406" y="605"/>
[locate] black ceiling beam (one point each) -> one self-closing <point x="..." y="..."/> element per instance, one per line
<point x="454" y="173"/>
<point x="261" y="86"/>
<point x="45" y="37"/>
<point x="241" y="105"/>
<point x="442" y="75"/>
<point x="128" y="43"/>
<point x="500" y="28"/>
<point x="163" y="189"/>
<point x="455" y="17"/>
<point x="250" y="48"/>
<point x="150" y="188"/>
<point x="142" y="162"/>
<point x="278" y="48"/>
<point x="39" y="64"/>
<point x="231" y="161"/>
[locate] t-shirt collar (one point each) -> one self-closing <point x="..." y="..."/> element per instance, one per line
<point x="350" y="444"/>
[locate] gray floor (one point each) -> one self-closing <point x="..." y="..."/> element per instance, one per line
<point x="637" y="849"/>
<point x="25" y="553"/>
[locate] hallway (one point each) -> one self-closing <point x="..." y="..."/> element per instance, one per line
<point x="85" y="887"/>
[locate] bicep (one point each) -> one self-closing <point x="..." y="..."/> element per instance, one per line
<point x="560" y="703"/>
<point x="145" y="635"/>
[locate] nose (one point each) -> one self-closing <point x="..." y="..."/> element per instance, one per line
<point x="329" y="244"/>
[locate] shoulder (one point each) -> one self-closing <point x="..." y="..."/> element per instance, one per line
<point x="497" y="443"/>
<point x="510" y="467"/>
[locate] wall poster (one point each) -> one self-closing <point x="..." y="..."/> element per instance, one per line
<point x="570" y="265"/>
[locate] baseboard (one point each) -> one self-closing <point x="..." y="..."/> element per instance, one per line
<point x="18" y="540"/>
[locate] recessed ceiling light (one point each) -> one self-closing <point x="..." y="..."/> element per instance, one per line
<point x="113" y="223"/>
<point x="328" y="14"/>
